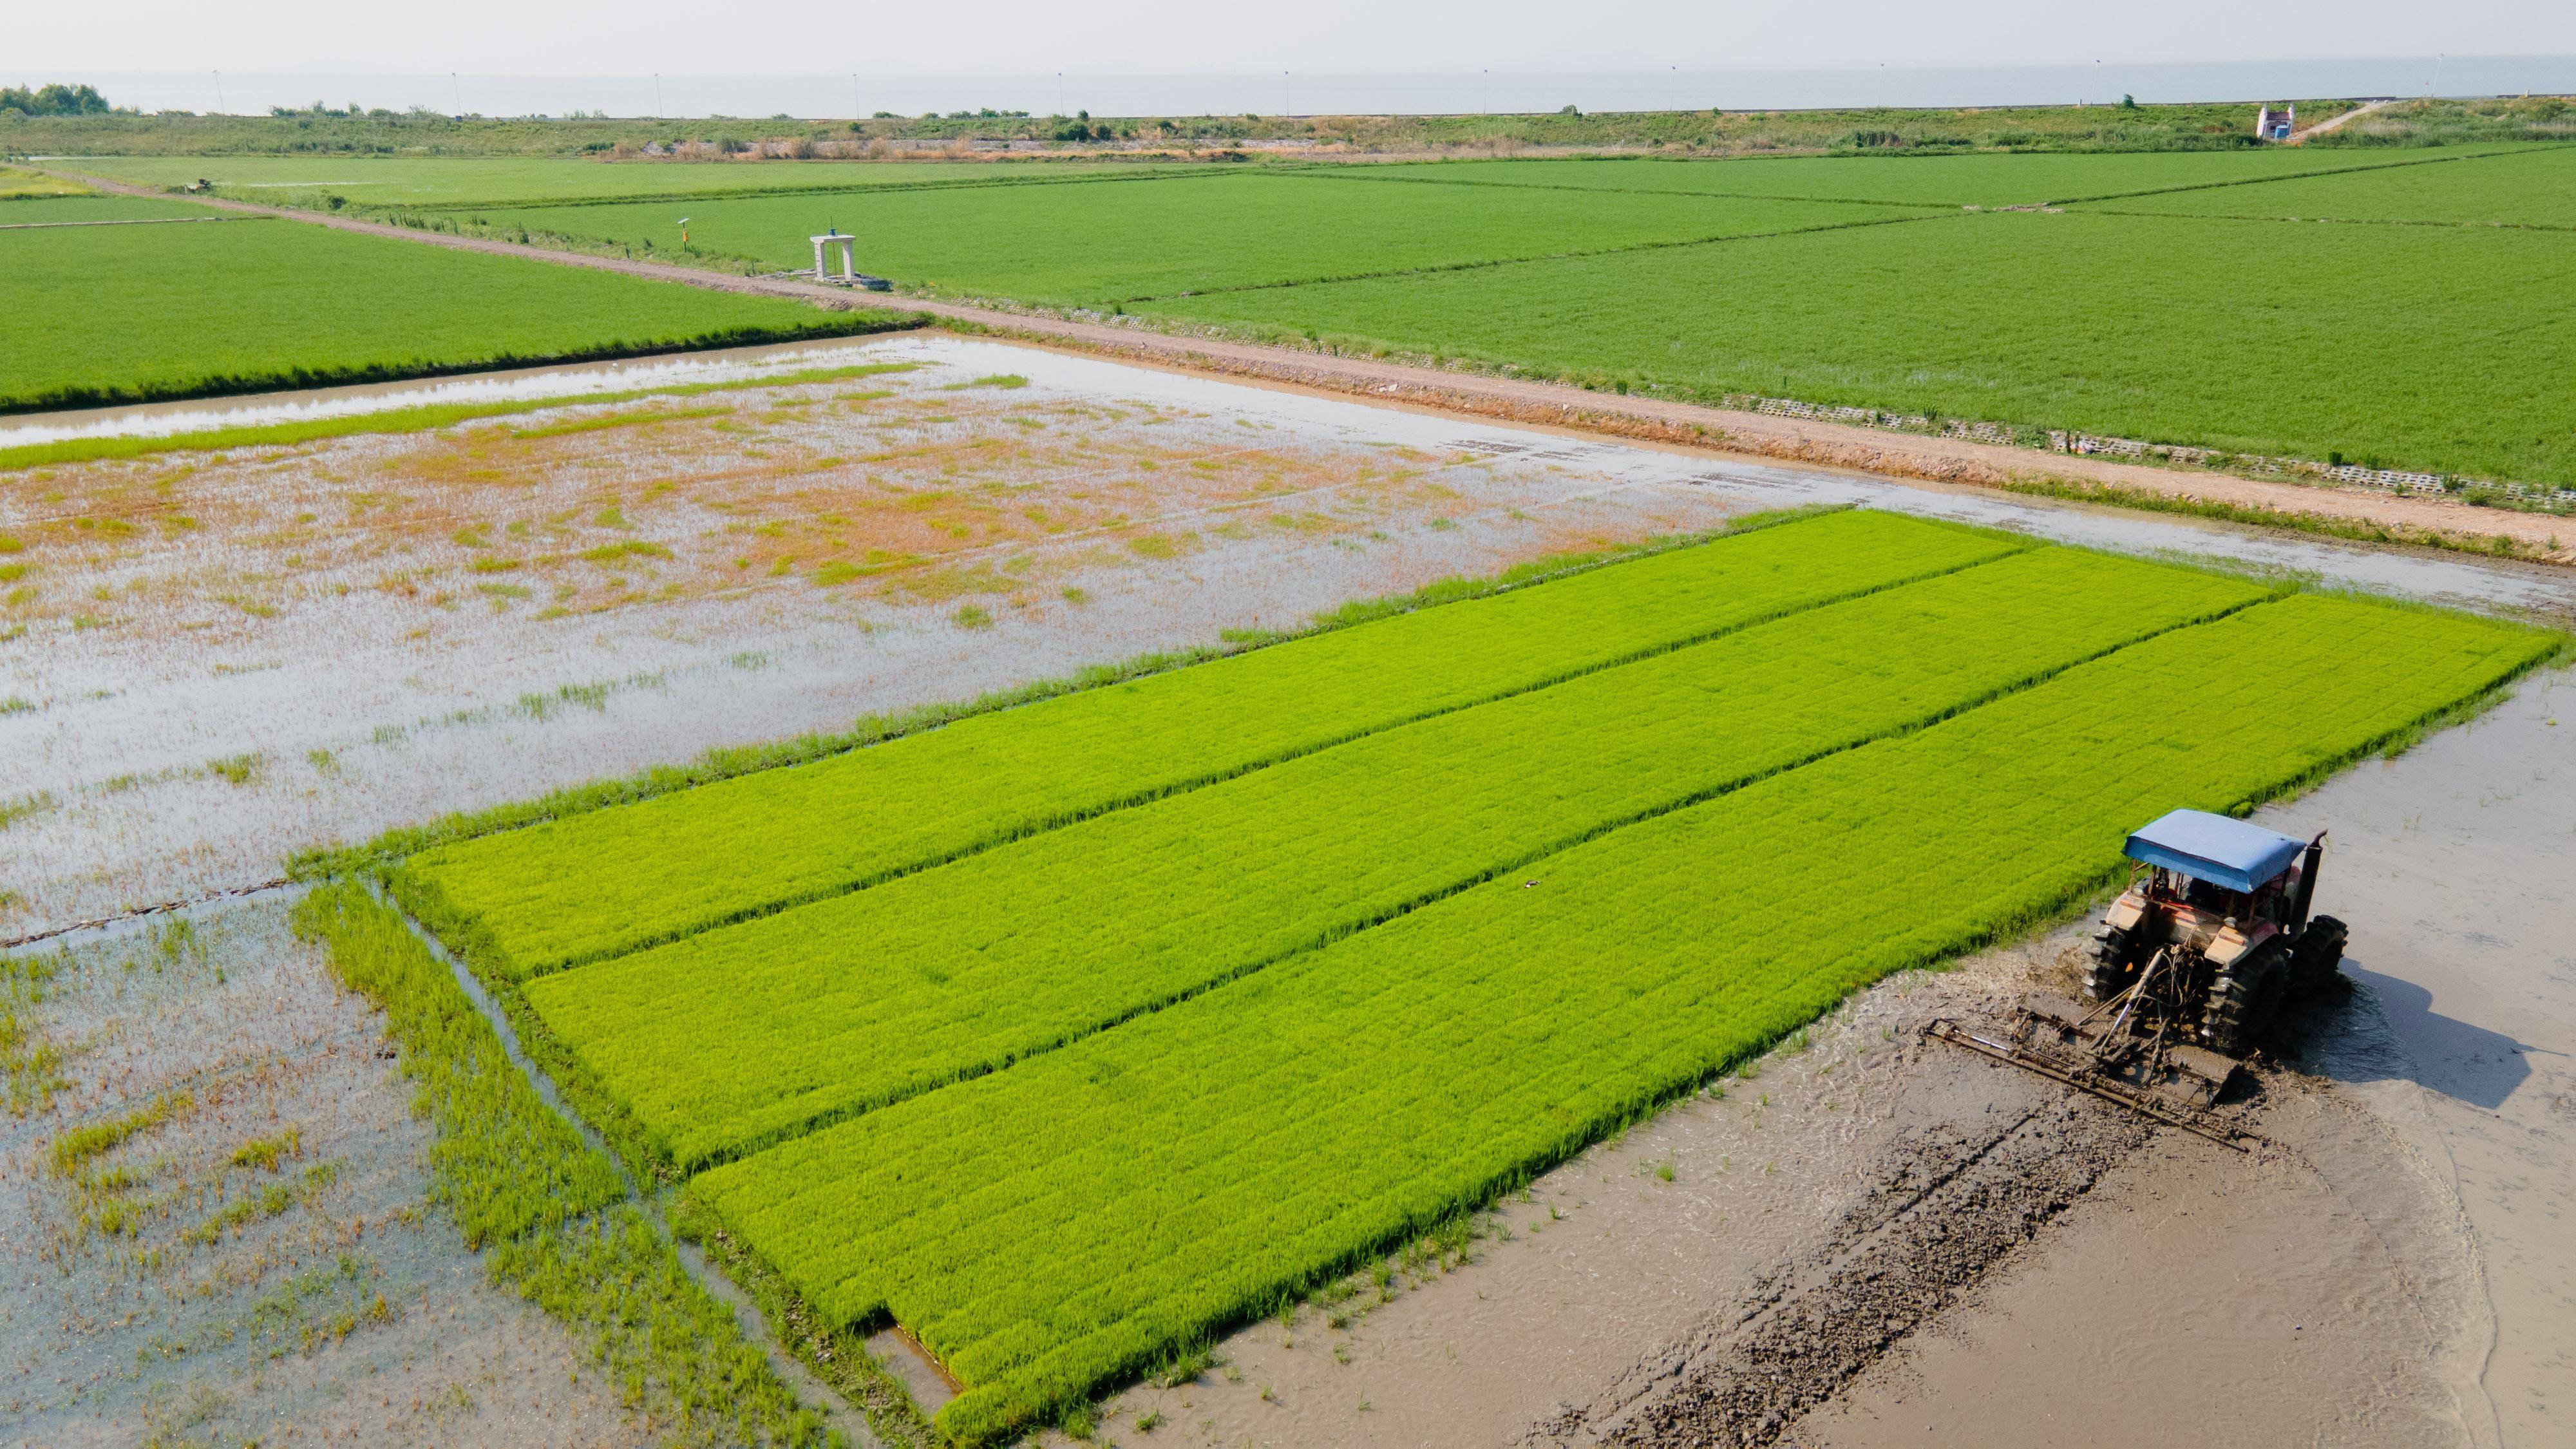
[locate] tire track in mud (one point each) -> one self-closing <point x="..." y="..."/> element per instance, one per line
<point x="1949" y="1205"/>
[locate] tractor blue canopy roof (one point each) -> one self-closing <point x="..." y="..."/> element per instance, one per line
<point x="2216" y="849"/>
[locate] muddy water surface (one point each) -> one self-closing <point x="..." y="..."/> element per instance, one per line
<point x="256" y="1261"/>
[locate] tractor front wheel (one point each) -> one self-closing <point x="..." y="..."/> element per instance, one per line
<point x="2107" y="974"/>
<point x="2319" y="954"/>
<point x="2242" y="998"/>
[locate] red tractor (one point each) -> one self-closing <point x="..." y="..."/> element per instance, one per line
<point x="2192" y="962"/>
<point x="2214" y="927"/>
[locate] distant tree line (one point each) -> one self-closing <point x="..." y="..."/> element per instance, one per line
<point x="77" y="120"/>
<point x="54" y="100"/>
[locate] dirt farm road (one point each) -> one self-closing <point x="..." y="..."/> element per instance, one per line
<point x="2337" y="123"/>
<point x="1838" y="445"/>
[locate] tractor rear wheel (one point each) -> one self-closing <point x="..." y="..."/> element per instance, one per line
<point x="2107" y="974"/>
<point x="2319" y="954"/>
<point x="2242" y="998"/>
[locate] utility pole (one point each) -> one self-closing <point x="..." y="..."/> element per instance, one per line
<point x="2437" y="72"/>
<point x="220" y="108"/>
<point x="657" y="95"/>
<point x="858" y="108"/>
<point x="460" y="92"/>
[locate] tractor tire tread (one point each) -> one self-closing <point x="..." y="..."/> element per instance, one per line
<point x="2319" y="954"/>
<point x="2242" y="999"/>
<point x="2106" y="971"/>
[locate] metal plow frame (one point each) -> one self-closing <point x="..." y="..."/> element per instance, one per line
<point x="2083" y="1074"/>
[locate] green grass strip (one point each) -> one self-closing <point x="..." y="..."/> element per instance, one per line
<point x="1079" y="1218"/>
<point x="504" y="1164"/>
<point x="427" y="418"/>
<point x="291" y="377"/>
<point x="550" y="1213"/>
<point x="602" y="884"/>
<point x="725" y="1041"/>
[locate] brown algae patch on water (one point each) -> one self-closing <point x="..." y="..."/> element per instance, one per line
<point x="219" y="1231"/>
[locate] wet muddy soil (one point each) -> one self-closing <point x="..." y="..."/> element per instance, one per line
<point x="253" y="1259"/>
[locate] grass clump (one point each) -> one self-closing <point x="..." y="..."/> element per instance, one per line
<point x="265" y="1153"/>
<point x="31" y="1060"/>
<point x="238" y="769"/>
<point x="551" y="1212"/>
<point x="76" y="1148"/>
<point x="25" y="807"/>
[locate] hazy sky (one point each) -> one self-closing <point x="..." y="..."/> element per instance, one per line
<point x="1019" y="37"/>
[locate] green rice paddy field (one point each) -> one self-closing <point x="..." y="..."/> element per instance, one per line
<point x="60" y="210"/>
<point x="1071" y="1035"/>
<point x="1100" y="245"/>
<point x="101" y="314"/>
<point x="2190" y="298"/>
<point x="2405" y="308"/>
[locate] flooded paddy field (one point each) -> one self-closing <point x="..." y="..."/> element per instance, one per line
<point x="215" y="659"/>
<point x="211" y="660"/>
<point x="213" y="1212"/>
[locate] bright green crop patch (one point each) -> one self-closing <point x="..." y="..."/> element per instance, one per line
<point x="1095" y="1209"/>
<point x="1103" y="244"/>
<point x="1957" y="181"/>
<point x="59" y="209"/>
<point x="610" y="881"/>
<point x="127" y="313"/>
<point x="2416" y="347"/>
<point x="2522" y="187"/>
<point x="16" y="184"/>
<point x="729" y="1039"/>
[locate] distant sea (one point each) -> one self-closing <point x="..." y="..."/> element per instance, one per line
<point x="1287" y="93"/>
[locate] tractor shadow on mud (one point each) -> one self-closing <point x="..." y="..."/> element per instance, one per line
<point x="2380" y="1028"/>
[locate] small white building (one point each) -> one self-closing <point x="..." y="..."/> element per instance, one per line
<point x="2274" y="125"/>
